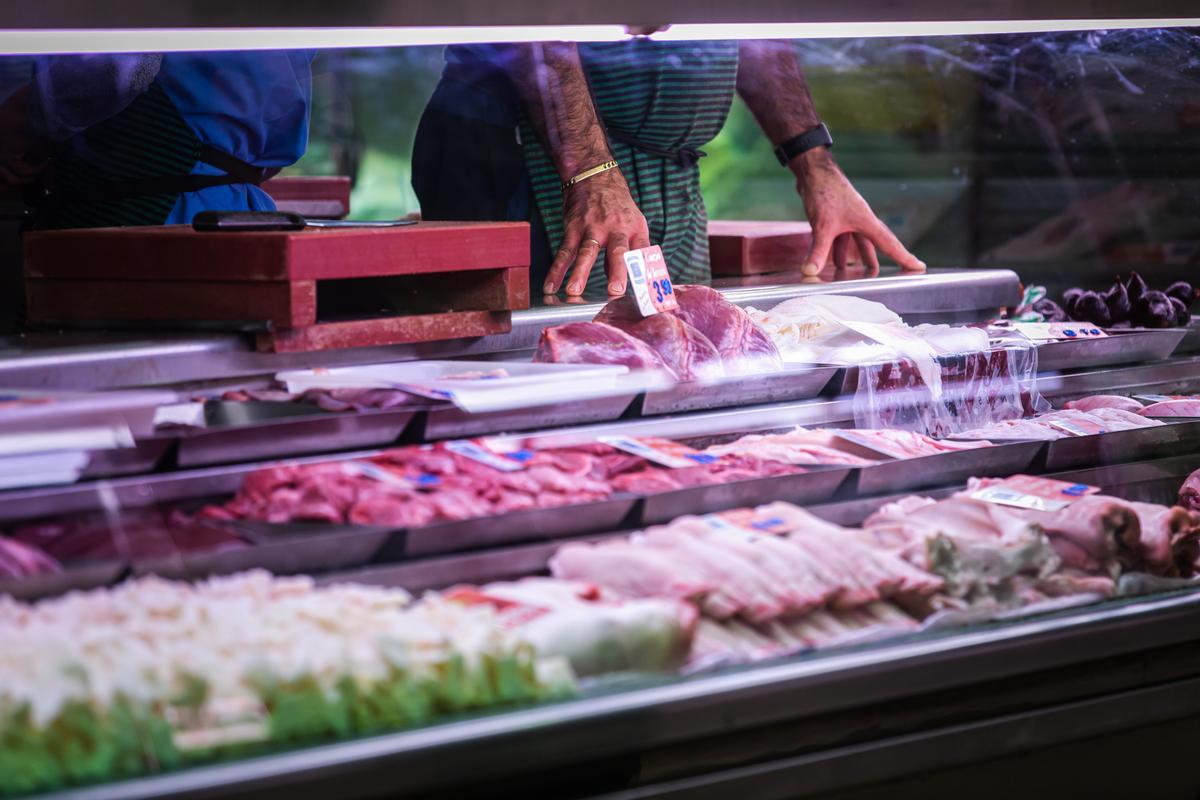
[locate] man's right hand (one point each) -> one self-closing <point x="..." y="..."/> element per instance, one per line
<point x="598" y="214"/>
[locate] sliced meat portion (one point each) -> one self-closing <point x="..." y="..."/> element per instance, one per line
<point x="686" y="351"/>
<point x="1189" y="492"/>
<point x="595" y="343"/>
<point x="1105" y="401"/>
<point x="20" y="560"/>
<point x="629" y="569"/>
<point x="744" y="347"/>
<point x="1172" y="408"/>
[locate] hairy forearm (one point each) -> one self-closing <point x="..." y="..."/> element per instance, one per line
<point x="550" y="83"/>
<point x="772" y="84"/>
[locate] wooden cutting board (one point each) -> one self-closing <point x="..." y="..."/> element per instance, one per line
<point x="307" y="290"/>
<point x="315" y="197"/>
<point x="749" y="247"/>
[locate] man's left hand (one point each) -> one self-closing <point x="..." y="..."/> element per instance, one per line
<point x="843" y="225"/>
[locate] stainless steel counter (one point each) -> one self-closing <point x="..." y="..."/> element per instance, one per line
<point x="101" y="360"/>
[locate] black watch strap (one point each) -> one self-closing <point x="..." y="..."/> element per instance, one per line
<point x="813" y="137"/>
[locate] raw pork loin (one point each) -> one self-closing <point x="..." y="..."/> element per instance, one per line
<point x="594" y="343"/>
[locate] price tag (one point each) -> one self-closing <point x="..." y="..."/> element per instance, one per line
<point x="1080" y="428"/>
<point x="648" y="278"/>
<point x="1039" y="494"/>
<point x="378" y="473"/>
<point x="505" y="462"/>
<point x="747" y="519"/>
<point x="188" y="415"/>
<point x="875" y="445"/>
<point x="1044" y="331"/>
<point x="661" y="451"/>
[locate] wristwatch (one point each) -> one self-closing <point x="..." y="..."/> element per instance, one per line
<point x="813" y="137"/>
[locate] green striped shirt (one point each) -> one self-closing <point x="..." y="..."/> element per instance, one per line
<point x="668" y="95"/>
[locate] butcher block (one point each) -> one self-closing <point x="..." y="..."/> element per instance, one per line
<point x="312" y="196"/>
<point x="748" y="247"/>
<point x="302" y="290"/>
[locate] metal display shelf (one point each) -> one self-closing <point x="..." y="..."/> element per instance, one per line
<point x="656" y="713"/>
<point x="97" y="360"/>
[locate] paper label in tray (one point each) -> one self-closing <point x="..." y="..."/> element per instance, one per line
<point x="874" y="444"/>
<point x="1080" y="427"/>
<point x="747" y="519"/>
<point x="1040" y="494"/>
<point x="476" y="451"/>
<point x="661" y="451"/>
<point x="649" y="281"/>
<point x="378" y="473"/>
<point x="1044" y="331"/>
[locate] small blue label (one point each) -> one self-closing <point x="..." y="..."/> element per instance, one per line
<point x="1078" y="490"/>
<point x="702" y="458"/>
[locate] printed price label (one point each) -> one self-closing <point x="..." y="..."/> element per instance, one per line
<point x="505" y="462"/>
<point x="661" y="451"/>
<point x="1039" y="494"/>
<point x="1043" y="331"/>
<point x="747" y="519"/>
<point x="378" y="473"/>
<point x="875" y="445"/>
<point x="648" y="278"/>
<point x="1080" y="428"/>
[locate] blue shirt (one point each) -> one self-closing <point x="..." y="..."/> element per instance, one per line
<point x="252" y="105"/>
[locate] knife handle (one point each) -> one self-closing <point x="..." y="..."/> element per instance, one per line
<point x="247" y="221"/>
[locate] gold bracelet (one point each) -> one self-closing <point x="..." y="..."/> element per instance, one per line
<point x="587" y="173"/>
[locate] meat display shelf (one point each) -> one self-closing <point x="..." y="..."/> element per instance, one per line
<point x="274" y="430"/>
<point x="903" y="475"/>
<point x="1119" y="347"/>
<point x="815" y="689"/>
<point x="1133" y="445"/>
<point x="95" y="360"/>
<point x="794" y="383"/>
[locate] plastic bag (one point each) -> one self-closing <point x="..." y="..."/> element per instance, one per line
<point x="976" y="389"/>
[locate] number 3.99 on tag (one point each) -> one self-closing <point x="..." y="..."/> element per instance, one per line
<point x="649" y="280"/>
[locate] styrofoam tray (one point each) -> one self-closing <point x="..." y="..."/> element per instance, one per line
<point x="523" y="384"/>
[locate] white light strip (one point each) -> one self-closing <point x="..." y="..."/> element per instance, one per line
<point x="41" y="42"/>
<point x="908" y="28"/>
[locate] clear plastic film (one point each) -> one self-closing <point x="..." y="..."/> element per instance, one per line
<point x="977" y="389"/>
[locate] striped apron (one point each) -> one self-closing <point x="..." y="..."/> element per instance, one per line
<point x="659" y="102"/>
<point x="132" y="168"/>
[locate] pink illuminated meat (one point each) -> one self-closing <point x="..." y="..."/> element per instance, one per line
<point x="685" y="350"/>
<point x="745" y="348"/>
<point x="594" y="343"/>
<point x="1105" y="401"/>
<point x="1172" y="408"/>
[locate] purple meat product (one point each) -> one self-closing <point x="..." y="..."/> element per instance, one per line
<point x="744" y="347"/>
<point x="595" y="343"/>
<point x="19" y="560"/>
<point x="685" y="350"/>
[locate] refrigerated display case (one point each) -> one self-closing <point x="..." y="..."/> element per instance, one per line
<point x="990" y="699"/>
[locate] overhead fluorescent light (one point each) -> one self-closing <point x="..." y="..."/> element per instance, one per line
<point x="168" y="40"/>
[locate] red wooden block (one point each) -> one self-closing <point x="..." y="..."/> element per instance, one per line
<point x="176" y="252"/>
<point x="739" y="247"/>
<point x="277" y="302"/>
<point x="386" y="330"/>
<point x="316" y="197"/>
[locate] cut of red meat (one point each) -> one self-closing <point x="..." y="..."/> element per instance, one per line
<point x="1172" y="408"/>
<point x="743" y="346"/>
<point x="594" y="343"/>
<point x="686" y="351"/>
<point x="136" y="536"/>
<point x="1105" y="401"/>
<point x="20" y="560"/>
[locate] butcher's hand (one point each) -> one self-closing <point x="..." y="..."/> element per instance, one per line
<point x="598" y="214"/>
<point x="843" y="225"/>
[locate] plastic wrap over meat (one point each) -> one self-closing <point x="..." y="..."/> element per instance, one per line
<point x="978" y="389"/>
